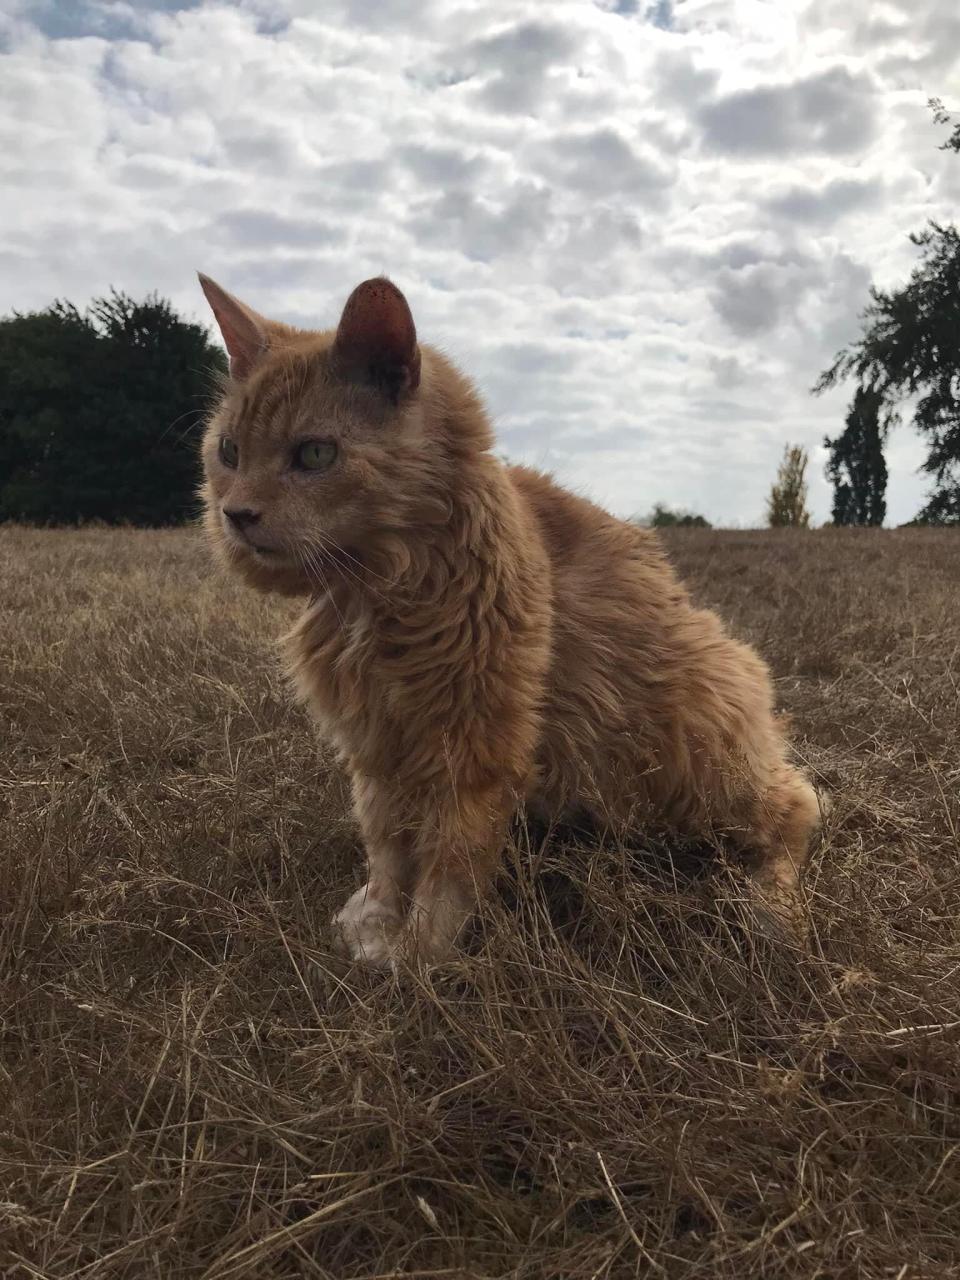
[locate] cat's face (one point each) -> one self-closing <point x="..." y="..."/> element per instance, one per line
<point x="315" y="448"/>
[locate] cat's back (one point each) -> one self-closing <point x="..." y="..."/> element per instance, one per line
<point x="596" y="558"/>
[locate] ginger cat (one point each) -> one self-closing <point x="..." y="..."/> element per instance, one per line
<point x="475" y="637"/>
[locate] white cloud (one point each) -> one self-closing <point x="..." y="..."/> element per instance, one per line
<point x="645" y="227"/>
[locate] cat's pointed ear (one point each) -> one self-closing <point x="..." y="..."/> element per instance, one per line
<point x="376" y="338"/>
<point x="244" y="332"/>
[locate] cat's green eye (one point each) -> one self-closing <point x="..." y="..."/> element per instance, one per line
<point x="315" y="455"/>
<point x="229" y="453"/>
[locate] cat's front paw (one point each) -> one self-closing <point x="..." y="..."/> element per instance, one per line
<point x="365" y="930"/>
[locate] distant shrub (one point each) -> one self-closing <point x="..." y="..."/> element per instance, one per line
<point x="663" y="518"/>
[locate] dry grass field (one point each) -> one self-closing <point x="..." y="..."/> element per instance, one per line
<point x="616" y="1078"/>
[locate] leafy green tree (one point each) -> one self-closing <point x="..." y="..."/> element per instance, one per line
<point x="857" y="468"/>
<point x="787" y="504"/>
<point x="663" y="518"/>
<point x="99" y="412"/>
<point x="910" y="350"/>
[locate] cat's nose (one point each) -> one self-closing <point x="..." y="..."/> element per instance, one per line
<point x="241" y="517"/>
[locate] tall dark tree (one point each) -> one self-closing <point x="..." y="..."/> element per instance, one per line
<point x="857" y="468"/>
<point x="99" y="412"/>
<point x="910" y="351"/>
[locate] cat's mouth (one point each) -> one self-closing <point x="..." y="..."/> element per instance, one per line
<point x="262" y="550"/>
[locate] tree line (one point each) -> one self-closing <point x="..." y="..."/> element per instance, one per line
<point x="99" y="412"/>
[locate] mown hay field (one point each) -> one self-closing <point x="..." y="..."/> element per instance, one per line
<point x="616" y="1077"/>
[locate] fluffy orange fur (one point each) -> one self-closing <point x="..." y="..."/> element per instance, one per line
<point x="475" y="637"/>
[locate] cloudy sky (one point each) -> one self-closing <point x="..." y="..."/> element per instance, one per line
<point x="644" y="226"/>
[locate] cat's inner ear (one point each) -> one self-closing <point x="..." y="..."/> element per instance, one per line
<point x="244" y="332"/>
<point x="376" y="339"/>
